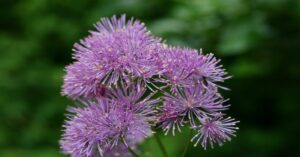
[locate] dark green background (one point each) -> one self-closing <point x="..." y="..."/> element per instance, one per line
<point x="257" y="40"/>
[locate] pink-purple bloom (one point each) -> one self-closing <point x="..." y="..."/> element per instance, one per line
<point x="116" y="50"/>
<point x="128" y="81"/>
<point x="101" y="126"/>
<point x="189" y="104"/>
<point x="215" y="130"/>
<point x="185" y="67"/>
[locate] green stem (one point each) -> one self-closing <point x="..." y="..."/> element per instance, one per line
<point x="187" y="144"/>
<point x="130" y="150"/>
<point x="161" y="146"/>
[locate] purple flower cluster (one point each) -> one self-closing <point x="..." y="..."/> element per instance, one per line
<point x="117" y="50"/>
<point x="103" y="124"/>
<point x="194" y="98"/>
<point x="118" y="70"/>
<point x="186" y="67"/>
<point x="195" y="103"/>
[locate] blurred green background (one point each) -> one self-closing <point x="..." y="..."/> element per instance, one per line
<point x="257" y="40"/>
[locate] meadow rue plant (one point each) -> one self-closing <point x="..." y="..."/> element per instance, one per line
<point x="128" y="84"/>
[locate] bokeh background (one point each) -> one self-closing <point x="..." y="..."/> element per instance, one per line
<point x="257" y="40"/>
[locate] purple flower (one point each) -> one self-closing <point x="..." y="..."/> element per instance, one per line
<point x="135" y="97"/>
<point x="215" y="130"/>
<point x="116" y="50"/>
<point x="185" y="67"/>
<point x="170" y="118"/>
<point x="190" y="102"/>
<point x="102" y="125"/>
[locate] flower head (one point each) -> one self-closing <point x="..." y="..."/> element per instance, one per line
<point x="116" y="50"/>
<point x="100" y="126"/>
<point x="134" y="96"/>
<point x="190" y="103"/>
<point x="170" y="118"/>
<point x="215" y="130"/>
<point x="185" y="67"/>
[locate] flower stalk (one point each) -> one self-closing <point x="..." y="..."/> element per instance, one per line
<point x="187" y="145"/>
<point x="161" y="146"/>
